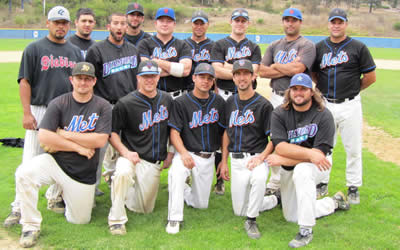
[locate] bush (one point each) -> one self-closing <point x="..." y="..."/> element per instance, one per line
<point x="260" y="21"/>
<point x="396" y="26"/>
<point x="20" y="20"/>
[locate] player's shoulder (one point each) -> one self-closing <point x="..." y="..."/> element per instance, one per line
<point x="99" y="44"/>
<point x="322" y="43"/>
<point x="261" y="99"/>
<point x="100" y="101"/>
<point x="165" y="96"/>
<point x="218" y="98"/>
<point x="355" y="43"/>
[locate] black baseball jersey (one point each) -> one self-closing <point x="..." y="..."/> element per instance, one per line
<point x="116" y="68"/>
<point x="339" y="67"/>
<point x="47" y="66"/>
<point x="136" y="39"/>
<point x="283" y="52"/>
<point x="248" y="123"/>
<point x="200" y="122"/>
<point x="310" y="129"/>
<point x="142" y="123"/>
<point x="228" y="50"/>
<point x="93" y="116"/>
<point x="81" y="43"/>
<point x="173" y="51"/>
<point x="200" y="54"/>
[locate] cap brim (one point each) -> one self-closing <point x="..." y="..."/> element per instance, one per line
<point x="204" y="72"/>
<point x="131" y="11"/>
<point x="199" y="18"/>
<point x="84" y="74"/>
<point x="301" y="84"/>
<point x="166" y="16"/>
<point x="338" y="17"/>
<point x="246" y="17"/>
<point x="149" y="73"/>
<point x="59" y="18"/>
<point x="298" y="18"/>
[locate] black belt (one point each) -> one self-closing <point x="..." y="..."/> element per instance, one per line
<point x="279" y="92"/>
<point x="203" y="155"/>
<point x="240" y="155"/>
<point x="154" y="161"/>
<point x="331" y="100"/>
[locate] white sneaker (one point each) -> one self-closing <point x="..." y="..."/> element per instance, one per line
<point x="172" y="227"/>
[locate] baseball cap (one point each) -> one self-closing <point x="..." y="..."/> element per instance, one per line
<point x="292" y="12"/>
<point x="337" y="13"/>
<point x="199" y="15"/>
<point x="301" y="79"/>
<point x="148" y="68"/>
<point x="83" y="68"/>
<point x="165" y="12"/>
<point x="58" y="13"/>
<point x="240" y="12"/>
<point x="204" y="68"/>
<point x="134" y="7"/>
<point x="242" y="64"/>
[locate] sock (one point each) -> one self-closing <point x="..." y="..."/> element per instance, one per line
<point x="252" y="218"/>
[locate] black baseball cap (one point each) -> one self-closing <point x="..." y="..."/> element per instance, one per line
<point x="240" y="12"/>
<point x="242" y="64"/>
<point x="199" y="15"/>
<point x="204" y="68"/>
<point x="148" y="68"/>
<point x="337" y="13"/>
<point x="83" y="68"/>
<point x="134" y="7"/>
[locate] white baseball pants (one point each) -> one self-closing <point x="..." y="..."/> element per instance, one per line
<point x="133" y="186"/>
<point x="348" y="122"/>
<point x="196" y="196"/>
<point x="44" y="170"/>
<point x="247" y="186"/>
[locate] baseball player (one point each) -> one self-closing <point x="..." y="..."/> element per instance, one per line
<point x="44" y="70"/>
<point x="172" y="55"/>
<point x="343" y="67"/>
<point x="135" y="18"/>
<point x="197" y="124"/>
<point x="73" y="129"/>
<point x="84" y="23"/>
<point x="246" y="138"/>
<point x="140" y="135"/>
<point x="232" y="48"/>
<point x="284" y="58"/>
<point x="302" y="132"/>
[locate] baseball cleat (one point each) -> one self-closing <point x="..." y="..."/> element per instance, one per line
<point x="118" y="229"/>
<point x="322" y="190"/>
<point x="172" y="227"/>
<point x="98" y="192"/>
<point x="56" y="206"/>
<point x="29" y="238"/>
<point x="251" y="228"/>
<point x="12" y="219"/>
<point x="270" y="191"/>
<point x="353" y="195"/>
<point x="301" y="240"/>
<point x="220" y="187"/>
<point x="341" y="202"/>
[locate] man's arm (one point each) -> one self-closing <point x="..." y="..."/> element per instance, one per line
<point x="290" y="69"/>
<point x="222" y="72"/>
<point x="116" y="142"/>
<point x="223" y="169"/>
<point x="368" y="79"/>
<point x="269" y="72"/>
<point x="180" y="69"/>
<point x="176" y="140"/>
<point x="88" y="140"/>
<point x="29" y="121"/>
<point x="257" y="160"/>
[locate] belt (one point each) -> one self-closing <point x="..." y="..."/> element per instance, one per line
<point x="203" y="155"/>
<point x="241" y="155"/>
<point x="154" y="161"/>
<point x="279" y="92"/>
<point x="331" y="100"/>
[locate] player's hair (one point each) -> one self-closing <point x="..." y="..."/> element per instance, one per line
<point x="316" y="98"/>
<point x="109" y="18"/>
<point x="84" y="11"/>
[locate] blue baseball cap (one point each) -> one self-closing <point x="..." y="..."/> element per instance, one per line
<point x="165" y="12"/>
<point x="240" y="12"/>
<point x="301" y="79"/>
<point x="292" y="12"/>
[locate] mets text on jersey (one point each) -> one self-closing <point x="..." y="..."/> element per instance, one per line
<point x="148" y="119"/>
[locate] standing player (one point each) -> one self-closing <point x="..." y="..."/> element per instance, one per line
<point x="343" y="67"/>
<point x="232" y="48"/>
<point x="73" y="129"/>
<point x="84" y="23"/>
<point x="284" y="58"/>
<point x="172" y="55"/>
<point x="135" y="17"/>
<point x="140" y="134"/>
<point x="302" y="132"/>
<point x="246" y="138"/>
<point x="197" y="125"/>
<point x="45" y="67"/>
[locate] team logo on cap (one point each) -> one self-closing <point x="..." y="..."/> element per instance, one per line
<point x="85" y="67"/>
<point x="136" y="6"/>
<point x="241" y="62"/>
<point x="291" y="11"/>
<point x="299" y="78"/>
<point x="61" y="12"/>
<point x="165" y="11"/>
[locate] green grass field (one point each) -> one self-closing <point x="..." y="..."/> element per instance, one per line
<point x="374" y="224"/>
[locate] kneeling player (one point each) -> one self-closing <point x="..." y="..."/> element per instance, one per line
<point x="197" y="126"/>
<point x="73" y="129"/>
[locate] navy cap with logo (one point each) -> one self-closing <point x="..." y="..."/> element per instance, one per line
<point x="204" y="68"/>
<point x="301" y="79"/>
<point x="148" y="68"/>
<point x="292" y="12"/>
<point x="240" y="12"/>
<point x="242" y="64"/>
<point x="337" y="13"/>
<point x="58" y="13"/>
<point x="165" y="12"/>
<point x="83" y="68"/>
<point x="134" y="7"/>
<point x="199" y="15"/>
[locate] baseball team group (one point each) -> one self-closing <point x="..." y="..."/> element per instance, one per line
<point x="135" y="104"/>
